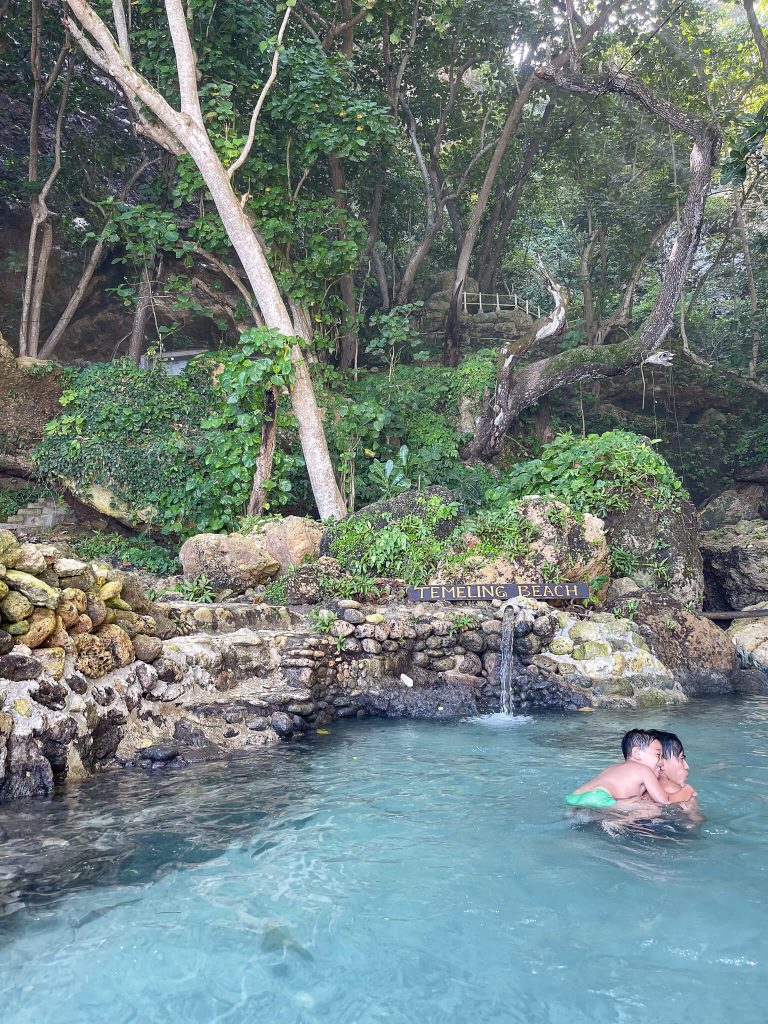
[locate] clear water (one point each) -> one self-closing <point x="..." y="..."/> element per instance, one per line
<point x="394" y="872"/>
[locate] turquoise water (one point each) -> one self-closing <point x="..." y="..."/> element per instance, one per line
<point x="394" y="872"/>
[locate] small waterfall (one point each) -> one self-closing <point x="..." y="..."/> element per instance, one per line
<point x="507" y="659"/>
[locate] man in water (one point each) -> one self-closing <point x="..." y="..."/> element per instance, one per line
<point x="637" y="776"/>
<point x="674" y="767"/>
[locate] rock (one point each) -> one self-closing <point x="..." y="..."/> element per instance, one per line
<point x="620" y="588"/>
<point x="342" y="628"/>
<point x="18" y="667"/>
<point x="473" y="641"/>
<point x="77" y="683"/>
<point x="687" y="644"/>
<point x="15" y="607"/>
<point x="738" y="504"/>
<point x="257" y="724"/>
<point x="52" y="695"/>
<point x="291" y="540"/>
<point x="96" y="610"/>
<point x="82" y="625"/>
<point x="39" y="593"/>
<point x="750" y="638"/>
<point x="17" y="628"/>
<point x="69" y="567"/>
<point x="6" y="642"/>
<point x="354" y="616"/>
<point x="110" y="590"/>
<point x="230" y="562"/>
<point x="159" y="753"/>
<point x="68" y="612"/>
<point x="375" y="618"/>
<point x="561" y="645"/>
<point x="29" y="559"/>
<point x="41" y="624"/>
<point x="562" y="544"/>
<point x="147" y="648"/>
<point x="60" y="637"/>
<point x="650" y="698"/>
<point x="118" y="643"/>
<point x="77" y="596"/>
<point x="736" y="564"/>
<point x="591" y="649"/>
<point x="282" y="724"/>
<point x="93" y="658"/>
<point x="663" y="547"/>
<point x="52" y="659"/>
<point x="9" y="549"/>
<point x="3" y="589"/>
<point x="585" y="630"/>
<point x="617" y="688"/>
<point x="383" y="513"/>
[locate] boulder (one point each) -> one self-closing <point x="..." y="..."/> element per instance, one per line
<point x="306" y="585"/>
<point x="52" y="659"/>
<point x="93" y="658"/>
<point x="29" y="559"/>
<point x="147" y="648"/>
<point x="9" y="549"/>
<point x="750" y="638"/>
<point x="382" y="513"/>
<point x="741" y="502"/>
<point x="41" y="624"/>
<point x="39" y="593"/>
<point x="690" y="646"/>
<point x="292" y="540"/>
<point x="563" y="546"/>
<point x="230" y="562"/>
<point x="14" y="607"/>
<point x="662" y="546"/>
<point x="18" y="667"/>
<point x="736" y="564"/>
<point x="6" y="642"/>
<point x="118" y="643"/>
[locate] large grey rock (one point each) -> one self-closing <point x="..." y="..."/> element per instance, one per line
<point x="750" y="638"/>
<point x="736" y="564"/>
<point x="292" y="540"/>
<point x="229" y="561"/>
<point x="739" y="503"/>
<point x="663" y="547"/>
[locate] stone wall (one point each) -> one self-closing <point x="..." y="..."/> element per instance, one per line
<point x="243" y="675"/>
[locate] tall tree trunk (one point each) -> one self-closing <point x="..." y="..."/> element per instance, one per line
<point x="142" y="311"/>
<point x="753" y="304"/>
<point x="348" y="351"/>
<point x="184" y="129"/>
<point x="263" y="472"/>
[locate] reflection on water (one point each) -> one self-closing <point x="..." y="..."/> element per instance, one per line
<point x="396" y="872"/>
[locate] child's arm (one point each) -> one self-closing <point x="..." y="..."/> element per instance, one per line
<point x="685" y="793"/>
<point x="655" y="791"/>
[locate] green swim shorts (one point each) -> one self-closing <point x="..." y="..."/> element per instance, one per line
<point x="592" y="798"/>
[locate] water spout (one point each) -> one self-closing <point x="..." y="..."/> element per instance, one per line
<point x="507" y="659"/>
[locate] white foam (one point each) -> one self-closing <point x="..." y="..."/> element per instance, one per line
<point x="499" y="720"/>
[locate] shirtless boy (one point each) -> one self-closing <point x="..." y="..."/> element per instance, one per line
<point x="637" y="776"/>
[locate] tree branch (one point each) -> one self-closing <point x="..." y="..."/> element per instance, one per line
<point x="262" y="97"/>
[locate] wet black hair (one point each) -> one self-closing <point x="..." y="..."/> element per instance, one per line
<point x="640" y="738"/>
<point x="670" y="744"/>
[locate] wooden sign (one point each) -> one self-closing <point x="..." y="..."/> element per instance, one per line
<point x="498" y="591"/>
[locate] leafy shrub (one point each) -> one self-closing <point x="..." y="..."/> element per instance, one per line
<point x="600" y="473"/>
<point x="197" y="589"/>
<point x="501" y="530"/>
<point x="140" y="552"/>
<point x="406" y="548"/>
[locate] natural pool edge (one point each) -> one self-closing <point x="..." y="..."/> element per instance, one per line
<point x="231" y="689"/>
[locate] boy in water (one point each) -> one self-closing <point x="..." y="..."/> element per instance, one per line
<point x="674" y="767"/>
<point x="637" y="776"/>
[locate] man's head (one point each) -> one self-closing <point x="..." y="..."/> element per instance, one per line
<point x="673" y="763"/>
<point x="641" y="746"/>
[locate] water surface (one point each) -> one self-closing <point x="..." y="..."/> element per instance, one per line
<point x="394" y="872"/>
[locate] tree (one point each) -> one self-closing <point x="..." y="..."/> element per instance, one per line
<point x="181" y="131"/>
<point x="518" y="388"/>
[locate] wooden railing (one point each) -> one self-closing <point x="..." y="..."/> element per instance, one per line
<point x="493" y="302"/>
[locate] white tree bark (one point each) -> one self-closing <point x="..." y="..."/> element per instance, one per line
<point x="184" y="130"/>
